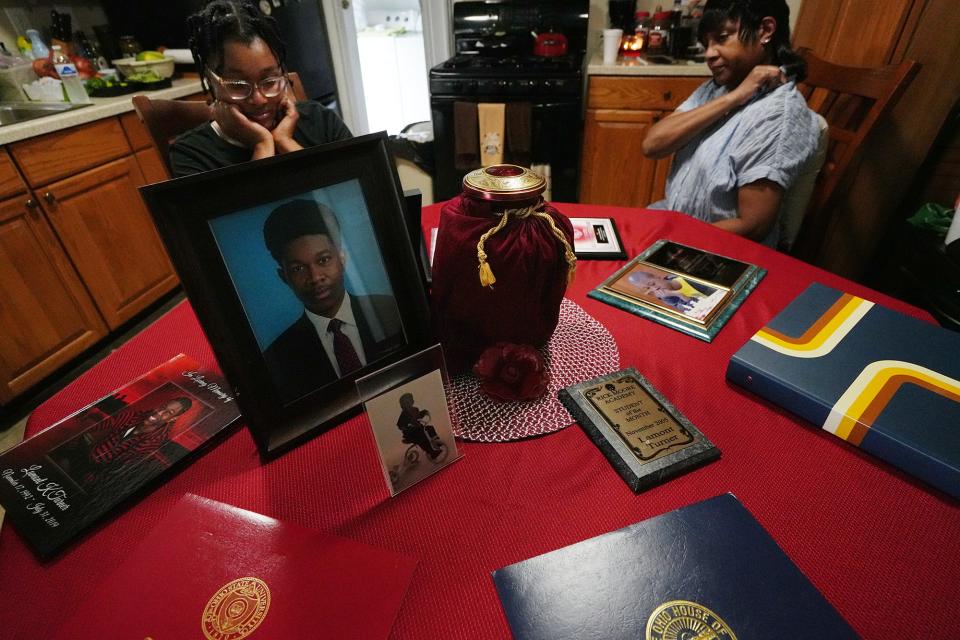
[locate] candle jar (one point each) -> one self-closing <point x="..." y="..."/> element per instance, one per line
<point x="502" y="262"/>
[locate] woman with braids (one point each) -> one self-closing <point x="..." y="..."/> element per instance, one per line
<point x="743" y="136"/>
<point x="241" y="60"/>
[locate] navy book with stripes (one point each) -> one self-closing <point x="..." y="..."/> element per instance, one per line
<point x="883" y="381"/>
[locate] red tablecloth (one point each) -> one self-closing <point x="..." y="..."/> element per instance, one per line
<point x="879" y="545"/>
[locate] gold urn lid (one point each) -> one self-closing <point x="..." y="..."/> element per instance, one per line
<point x="503" y="183"/>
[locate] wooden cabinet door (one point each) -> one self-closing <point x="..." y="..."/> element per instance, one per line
<point x="46" y="315"/>
<point x="614" y="170"/>
<point x="109" y="235"/>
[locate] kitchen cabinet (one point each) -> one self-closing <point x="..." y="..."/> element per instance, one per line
<point x="86" y="178"/>
<point x="79" y="254"/>
<point x="620" y="111"/>
<point x="107" y="232"/>
<point x="46" y="314"/>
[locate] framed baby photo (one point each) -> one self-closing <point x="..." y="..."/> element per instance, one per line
<point x="301" y="274"/>
<point x="685" y="288"/>
<point x="411" y="418"/>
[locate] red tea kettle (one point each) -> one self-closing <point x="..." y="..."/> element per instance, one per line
<point x="549" y="44"/>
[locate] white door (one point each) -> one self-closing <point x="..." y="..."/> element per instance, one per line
<point x="382" y="66"/>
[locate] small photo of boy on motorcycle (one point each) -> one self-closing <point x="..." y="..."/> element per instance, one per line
<point x="416" y="441"/>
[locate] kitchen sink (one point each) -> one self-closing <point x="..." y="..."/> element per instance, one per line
<point x="14" y="112"/>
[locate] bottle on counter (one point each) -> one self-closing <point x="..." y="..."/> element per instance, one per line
<point x="658" y="41"/>
<point x="69" y="76"/>
<point x="37" y="45"/>
<point x="681" y="32"/>
<point x="642" y="29"/>
<point x="129" y="46"/>
<point x="91" y="50"/>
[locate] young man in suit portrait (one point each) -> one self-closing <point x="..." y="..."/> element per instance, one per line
<point x="338" y="332"/>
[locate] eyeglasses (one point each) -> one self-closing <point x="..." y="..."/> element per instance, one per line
<point x="241" y="89"/>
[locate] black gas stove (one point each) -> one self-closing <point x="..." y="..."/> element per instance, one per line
<point x="512" y="75"/>
<point x="495" y="62"/>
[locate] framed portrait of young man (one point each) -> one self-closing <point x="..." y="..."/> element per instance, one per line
<point x="301" y="273"/>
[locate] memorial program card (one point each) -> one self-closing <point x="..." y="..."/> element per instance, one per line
<point x="645" y="438"/>
<point x="62" y="480"/>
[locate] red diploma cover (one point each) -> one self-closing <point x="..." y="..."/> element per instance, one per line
<point x="210" y="570"/>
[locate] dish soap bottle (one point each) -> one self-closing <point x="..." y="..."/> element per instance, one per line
<point x="37" y="46"/>
<point x="67" y="71"/>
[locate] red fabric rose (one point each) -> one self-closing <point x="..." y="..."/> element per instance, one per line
<point x="511" y="372"/>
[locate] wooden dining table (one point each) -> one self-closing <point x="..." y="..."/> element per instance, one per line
<point x="880" y="545"/>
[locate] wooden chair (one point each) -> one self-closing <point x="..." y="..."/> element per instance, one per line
<point x="167" y="119"/>
<point x="852" y="100"/>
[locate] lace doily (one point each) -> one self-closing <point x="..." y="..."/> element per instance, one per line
<point x="580" y="349"/>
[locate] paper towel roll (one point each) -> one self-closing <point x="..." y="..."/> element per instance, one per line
<point x="180" y="56"/>
<point x="952" y="241"/>
<point x="953" y="233"/>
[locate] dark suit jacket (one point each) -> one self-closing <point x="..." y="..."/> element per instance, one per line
<point x="296" y="359"/>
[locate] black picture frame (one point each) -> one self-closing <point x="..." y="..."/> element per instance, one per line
<point x="185" y="211"/>
<point x="414" y="209"/>
<point x="616" y="250"/>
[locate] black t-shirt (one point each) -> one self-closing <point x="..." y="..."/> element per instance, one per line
<point x="201" y="149"/>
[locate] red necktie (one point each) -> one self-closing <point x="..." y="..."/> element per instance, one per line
<point x="347" y="357"/>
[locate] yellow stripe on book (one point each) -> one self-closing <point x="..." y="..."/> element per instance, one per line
<point x="834" y="325"/>
<point x="857" y="409"/>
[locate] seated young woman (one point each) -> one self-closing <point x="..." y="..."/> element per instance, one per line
<point x="742" y="137"/>
<point x="241" y="59"/>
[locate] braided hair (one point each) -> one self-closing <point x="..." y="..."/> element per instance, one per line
<point x="222" y="21"/>
<point x="749" y="13"/>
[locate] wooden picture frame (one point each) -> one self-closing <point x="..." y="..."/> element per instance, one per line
<point x="213" y="225"/>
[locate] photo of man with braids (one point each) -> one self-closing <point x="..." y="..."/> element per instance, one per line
<point x="338" y="332"/>
<point x="112" y="448"/>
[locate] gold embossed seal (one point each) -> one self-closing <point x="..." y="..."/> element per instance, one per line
<point x="685" y="620"/>
<point x="236" y="610"/>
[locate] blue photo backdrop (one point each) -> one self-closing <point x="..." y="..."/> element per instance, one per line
<point x="269" y="304"/>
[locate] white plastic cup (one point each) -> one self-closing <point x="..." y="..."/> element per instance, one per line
<point x="611" y="45"/>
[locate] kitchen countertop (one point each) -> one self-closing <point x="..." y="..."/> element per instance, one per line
<point x="100" y="108"/>
<point x="640" y="67"/>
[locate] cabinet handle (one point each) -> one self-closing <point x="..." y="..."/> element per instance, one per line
<point x="31" y="204"/>
<point x="667" y="95"/>
<point x="49" y="197"/>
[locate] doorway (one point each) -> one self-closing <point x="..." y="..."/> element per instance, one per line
<point x="381" y="59"/>
<point x="393" y="67"/>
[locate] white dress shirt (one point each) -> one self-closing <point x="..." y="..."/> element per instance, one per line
<point x="345" y="315"/>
